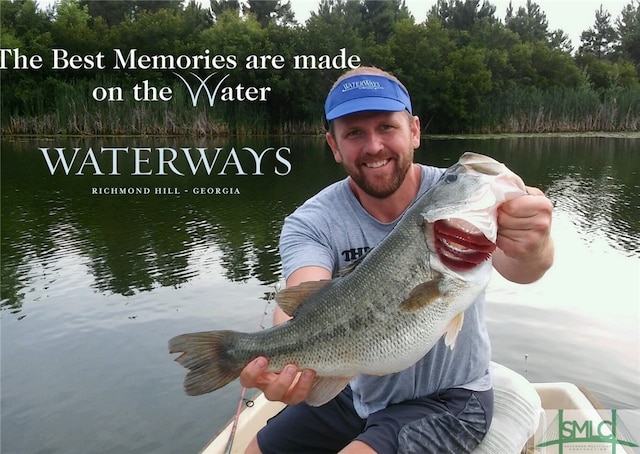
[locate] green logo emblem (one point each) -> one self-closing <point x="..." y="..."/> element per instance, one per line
<point x="575" y="431"/>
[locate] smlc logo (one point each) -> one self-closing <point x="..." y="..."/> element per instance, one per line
<point x="573" y="431"/>
<point x="212" y="91"/>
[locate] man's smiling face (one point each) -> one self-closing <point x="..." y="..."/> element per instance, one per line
<point x="375" y="148"/>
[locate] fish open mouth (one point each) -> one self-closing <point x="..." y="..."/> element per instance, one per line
<point x="460" y="245"/>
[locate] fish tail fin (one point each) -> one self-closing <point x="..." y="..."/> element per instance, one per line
<point x="205" y="355"/>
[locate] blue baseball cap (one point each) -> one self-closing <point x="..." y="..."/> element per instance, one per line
<point x="364" y="92"/>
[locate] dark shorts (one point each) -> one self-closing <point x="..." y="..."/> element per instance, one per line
<point x="451" y="421"/>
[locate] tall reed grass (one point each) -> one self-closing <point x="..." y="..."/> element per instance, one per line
<point x="73" y="111"/>
<point x="530" y="110"/>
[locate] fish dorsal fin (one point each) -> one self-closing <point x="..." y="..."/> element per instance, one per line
<point x="348" y="269"/>
<point x="326" y="388"/>
<point x="452" y="330"/>
<point x="290" y="298"/>
<point x="422" y="295"/>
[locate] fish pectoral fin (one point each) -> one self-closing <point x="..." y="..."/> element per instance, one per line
<point x="422" y="296"/>
<point x="452" y="330"/>
<point x="290" y="298"/>
<point x="326" y="388"/>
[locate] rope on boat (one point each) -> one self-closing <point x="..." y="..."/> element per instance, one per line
<point x="242" y="401"/>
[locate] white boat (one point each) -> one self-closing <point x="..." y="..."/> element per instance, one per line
<point x="522" y="414"/>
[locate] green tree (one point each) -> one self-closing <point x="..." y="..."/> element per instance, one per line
<point x="349" y="14"/>
<point x="196" y="19"/>
<point x="490" y="34"/>
<point x="561" y="41"/>
<point x="628" y="28"/>
<point x="380" y="17"/>
<point x="463" y="14"/>
<point x="600" y="39"/>
<point x="497" y="41"/>
<point x="530" y="23"/>
<point x="337" y="24"/>
<point x="25" y="23"/>
<point x="238" y="38"/>
<point x="115" y="11"/>
<point x="422" y="52"/>
<point x="469" y="83"/>
<point x="267" y="11"/>
<point x="537" y="65"/>
<point x="605" y="75"/>
<point x="554" y="68"/>
<point x="166" y="32"/>
<point x="447" y="83"/>
<point x="25" y="27"/>
<point x="220" y="6"/>
<point x="72" y="29"/>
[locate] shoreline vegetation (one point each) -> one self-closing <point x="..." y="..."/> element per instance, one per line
<point x="320" y="136"/>
<point x="560" y="111"/>
<point x="469" y="71"/>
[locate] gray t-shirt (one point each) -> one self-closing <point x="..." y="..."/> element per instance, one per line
<point x="332" y="230"/>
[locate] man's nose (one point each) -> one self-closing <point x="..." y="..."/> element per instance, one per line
<point x="373" y="143"/>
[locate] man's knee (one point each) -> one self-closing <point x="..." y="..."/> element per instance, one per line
<point x="252" y="447"/>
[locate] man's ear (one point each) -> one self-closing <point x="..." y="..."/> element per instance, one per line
<point x="415" y="132"/>
<point x="331" y="140"/>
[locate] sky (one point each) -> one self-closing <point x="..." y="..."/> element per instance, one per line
<point x="572" y="16"/>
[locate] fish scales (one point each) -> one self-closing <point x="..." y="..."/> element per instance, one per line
<point x="389" y="310"/>
<point x="350" y="315"/>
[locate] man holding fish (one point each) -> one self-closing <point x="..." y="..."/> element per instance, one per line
<point x="373" y="134"/>
<point x="388" y="352"/>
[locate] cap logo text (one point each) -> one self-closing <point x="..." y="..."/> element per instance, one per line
<point x="361" y="85"/>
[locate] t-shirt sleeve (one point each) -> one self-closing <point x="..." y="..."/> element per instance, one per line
<point x="305" y="241"/>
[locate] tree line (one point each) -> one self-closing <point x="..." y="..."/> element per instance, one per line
<point x="467" y="69"/>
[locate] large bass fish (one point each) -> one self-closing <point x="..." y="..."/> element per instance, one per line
<point x="386" y="312"/>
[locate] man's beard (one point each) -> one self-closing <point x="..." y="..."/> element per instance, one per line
<point x="382" y="190"/>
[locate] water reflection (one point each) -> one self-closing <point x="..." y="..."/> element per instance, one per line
<point x="133" y="243"/>
<point x="600" y="208"/>
<point x="596" y="179"/>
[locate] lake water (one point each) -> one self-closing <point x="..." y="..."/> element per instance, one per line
<point x="94" y="284"/>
